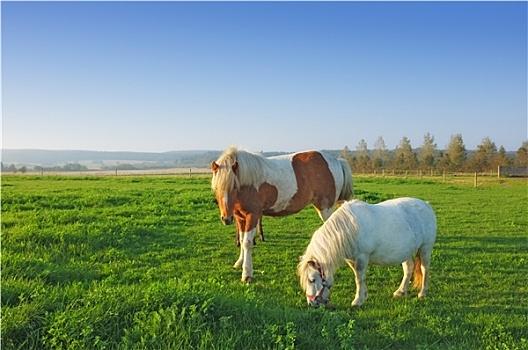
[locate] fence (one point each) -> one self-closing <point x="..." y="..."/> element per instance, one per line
<point x="512" y="171"/>
<point x="117" y="172"/>
<point x="459" y="178"/>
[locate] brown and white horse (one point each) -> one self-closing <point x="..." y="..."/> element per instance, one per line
<point x="248" y="186"/>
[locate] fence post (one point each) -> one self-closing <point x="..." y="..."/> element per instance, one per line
<point x="475" y="179"/>
<point x="498" y="172"/>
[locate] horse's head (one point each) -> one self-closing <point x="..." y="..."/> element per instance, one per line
<point x="315" y="283"/>
<point x="225" y="184"/>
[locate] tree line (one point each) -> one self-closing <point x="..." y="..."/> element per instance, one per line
<point x="428" y="158"/>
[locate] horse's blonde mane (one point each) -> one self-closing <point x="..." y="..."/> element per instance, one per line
<point x="250" y="169"/>
<point x="336" y="240"/>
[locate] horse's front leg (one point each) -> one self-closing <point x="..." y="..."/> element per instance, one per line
<point x="359" y="265"/>
<point x="408" y="267"/>
<point x="247" y="247"/>
<point x="240" y="224"/>
<point x="261" y="235"/>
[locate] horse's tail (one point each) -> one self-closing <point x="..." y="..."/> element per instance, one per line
<point x="418" y="277"/>
<point x="348" y="185"/>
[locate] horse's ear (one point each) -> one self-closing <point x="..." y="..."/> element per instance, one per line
<point x="235" y="167"/>
<point x="214" y="167"/>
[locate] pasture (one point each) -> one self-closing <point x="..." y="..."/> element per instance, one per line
<point x="145" y="263"/>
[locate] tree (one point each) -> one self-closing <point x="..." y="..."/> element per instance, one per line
<point x="502" y="158"/>
<point x="405" y="158"/>
<point x="12" y="168"/>
<point x="456" y="153"/>
<point x="381" y="158"/>
<point x="483" y="158"/>
<point x="521" y="156"/>
<point x="442" y="161"/>
<point x="427" y="154"/>
<point x="362" y="157"/>
<point x="345" y="154"/>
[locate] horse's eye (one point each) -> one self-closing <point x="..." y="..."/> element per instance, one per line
<point x="311" y="280"/>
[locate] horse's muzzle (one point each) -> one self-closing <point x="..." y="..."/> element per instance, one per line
<point x="227" y="220"/>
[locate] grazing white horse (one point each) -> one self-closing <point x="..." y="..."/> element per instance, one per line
<point x="387" y="233"/>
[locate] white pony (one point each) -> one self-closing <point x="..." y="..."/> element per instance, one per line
<point x="387" y="233"/>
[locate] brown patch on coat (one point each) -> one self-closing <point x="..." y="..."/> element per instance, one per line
<point x="252" y="202"/>
<point x="315" y="184"/>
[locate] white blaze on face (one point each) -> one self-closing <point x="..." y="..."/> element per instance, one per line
<point x="226" y="198"/>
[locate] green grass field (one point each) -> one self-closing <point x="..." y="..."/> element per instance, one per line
<point x="144" y="263"/>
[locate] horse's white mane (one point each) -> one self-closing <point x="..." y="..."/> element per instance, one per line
<point x="331" y="243"/>
<point x="250" y="169"/>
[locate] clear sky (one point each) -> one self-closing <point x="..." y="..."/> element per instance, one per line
<point x="267" y="76"/>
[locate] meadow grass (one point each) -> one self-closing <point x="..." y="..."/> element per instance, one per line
<point x="144" y="263"/>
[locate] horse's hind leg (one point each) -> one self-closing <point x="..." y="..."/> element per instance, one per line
<point x="324" y="214"/>
<point x="237" y="237"/>
<point x="408" y="267"/>
<point x="425" y="261"/>
<point x="260" y="232"/>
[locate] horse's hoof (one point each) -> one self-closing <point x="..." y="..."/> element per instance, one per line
<point x="246" y="279"/>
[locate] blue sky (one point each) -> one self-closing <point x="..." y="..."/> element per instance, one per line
<point x="270" y="76"/>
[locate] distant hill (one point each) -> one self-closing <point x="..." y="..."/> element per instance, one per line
<point x="112" y="160"/>
<point x="54" y="158"/>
